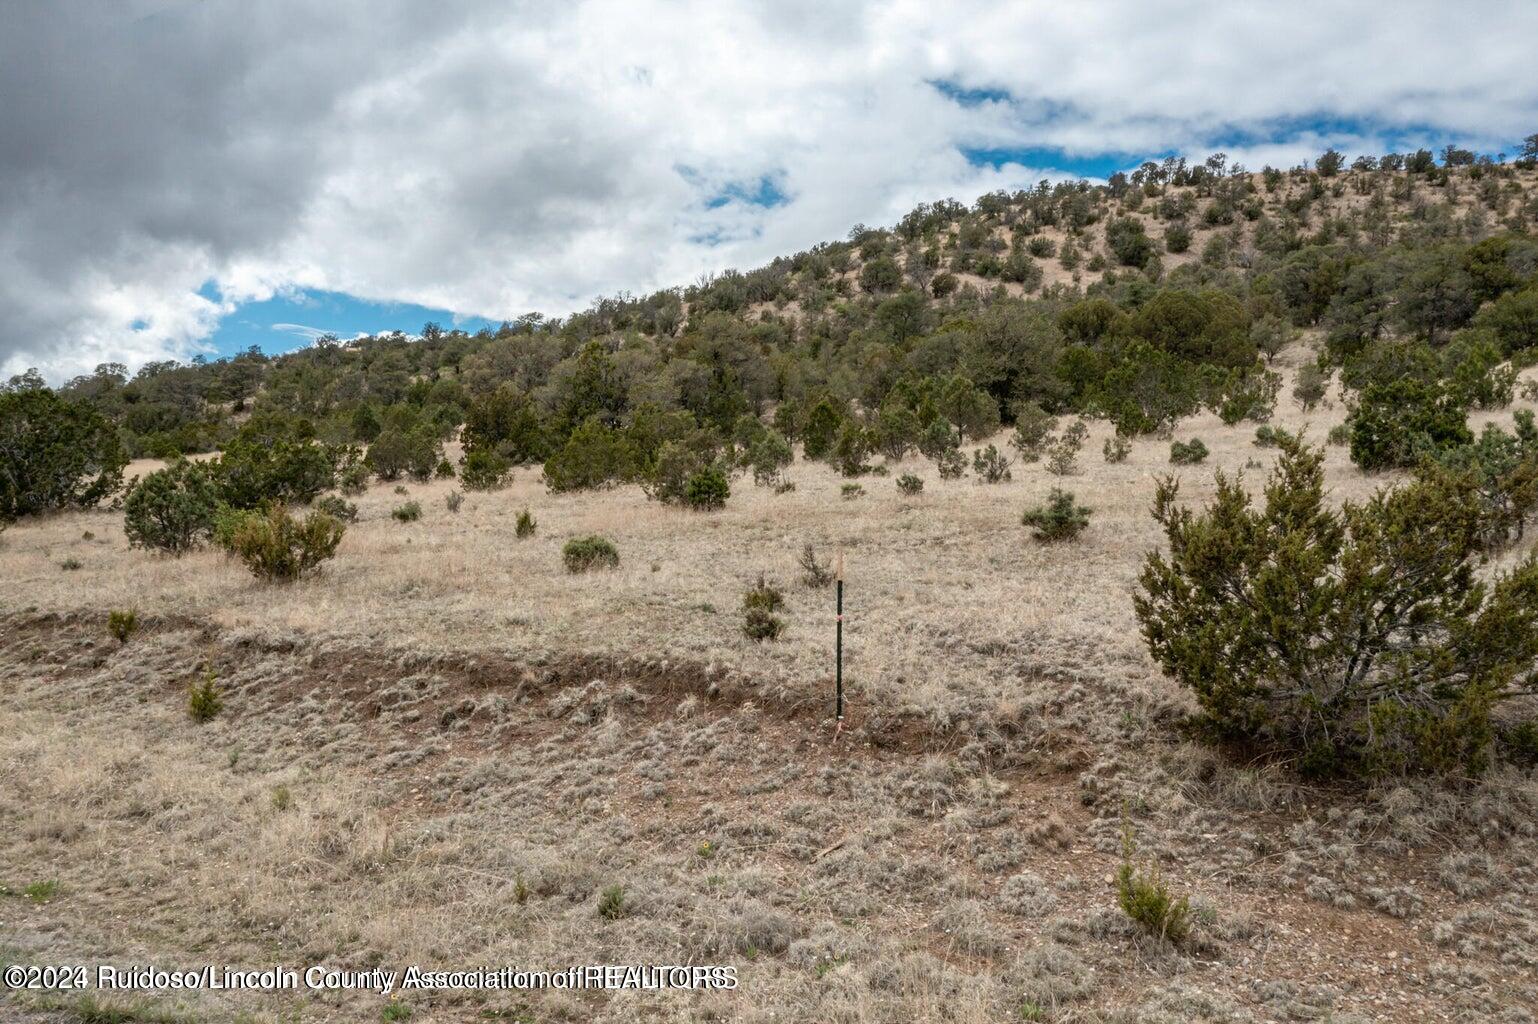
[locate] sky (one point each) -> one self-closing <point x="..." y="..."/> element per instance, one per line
<point x="184" y="177"/>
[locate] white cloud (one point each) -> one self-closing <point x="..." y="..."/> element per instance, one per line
<point x="493" y="160"/>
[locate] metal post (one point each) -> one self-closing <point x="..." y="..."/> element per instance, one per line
<point x="838" y="671"/>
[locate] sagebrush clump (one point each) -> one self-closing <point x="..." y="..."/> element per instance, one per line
<point x="583" y="554"/>
<point x="410" y="512"/>
<point x="910" y="485"/>
<point x="525" y="525"/>
<point x="814" y="572"/>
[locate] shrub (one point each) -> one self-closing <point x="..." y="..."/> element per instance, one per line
<point x="594" y="457"/>
<point x="1188" y="453"/>
<point x="851" y="491"/>
<point x="762" y="595"/>
<point x="759" y="625"/>
<point x="454" y="501"/>
<point x="57" y="454"/>
<point x="204" y="700"/>
<point x="396" y="452"/>
<point x="1116" y="448"/>
<point x="276" y="546"/>
<point x="1177" y="237"/>
<point x="952" y="465"/>
<point x="272" y="461"/>
<point x="910" y="485"/>
<point x="172" y="509"/>
<point x="1310" y="388"/>
<point x="583" y="554"/>
<point x="674" y="463"/>
<point x="938" y="438"/>
<point x="897" y="430"/>
<point x="409" y="512"/>
<point x="1244" y="395"/>
<point x="1396" y="423"/>
<point x="851" y="449"/>
<point x="1273" y="437"/>
<point x="768" y="456"/>
<point x="353" y="480"/>
<point x="483" y="470"/>
<point x="122" y="623"/>
<point x="1503" y="470"/>
<point x="820" y="429"/>
<point x="337" y="508"/>
<point x="611" y="903"/>
<point x="1145" y="898"/>
<point x="1061" y="518"/>
<point x="1128" y="241"/>
<point x="707" y="489"/>
<point x="813" y="572"/>
<point x="1361" y="640"/>
<point x="1033" y="427"/>
<point x="525" y="525"/>
<point x="1062" y="457"/>
<point x="990" y="466"/>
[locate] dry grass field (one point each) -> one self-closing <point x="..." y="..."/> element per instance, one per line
<point x="443" y="749"/>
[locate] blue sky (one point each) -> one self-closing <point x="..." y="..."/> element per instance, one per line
<point x="290" y="321"/>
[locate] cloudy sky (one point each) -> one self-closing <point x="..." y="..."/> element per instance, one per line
<point x="185" y="176"/>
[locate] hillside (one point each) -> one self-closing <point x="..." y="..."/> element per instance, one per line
<point x="443" y="748"/>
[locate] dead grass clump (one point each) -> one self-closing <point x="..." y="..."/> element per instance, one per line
<point x="1027" y="895"/>
<point x="814" y="573"/>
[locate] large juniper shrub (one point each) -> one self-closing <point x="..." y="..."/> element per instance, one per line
<point x="1394" y="424"/>
<point x="54" y="453"/>
<point x="1364" y="640"/>
<point x="275" y="545"/>
<point x="396" y="453"/>
<point x="274" y="459"/>
<point x="767" y="456"/>
<point x="482" y="469"/>
<point x="595" y="456"/>
<point x="172" y="509"/>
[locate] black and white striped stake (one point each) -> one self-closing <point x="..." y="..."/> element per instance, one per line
<point x="838" y="647"/>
